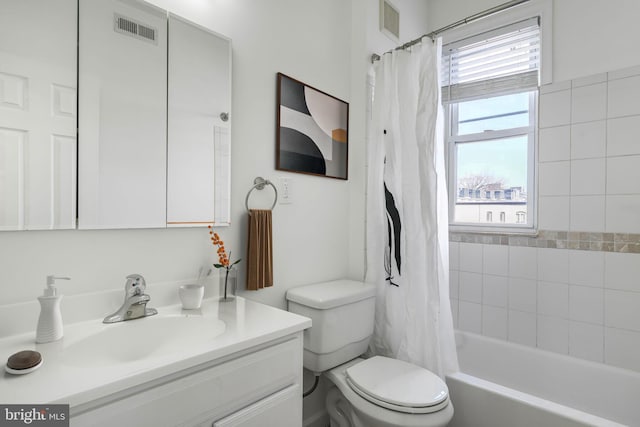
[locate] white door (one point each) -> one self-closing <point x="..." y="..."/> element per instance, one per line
<point x="38" y="114"/>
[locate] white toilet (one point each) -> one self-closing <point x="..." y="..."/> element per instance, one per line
<point x="375" y="392"/>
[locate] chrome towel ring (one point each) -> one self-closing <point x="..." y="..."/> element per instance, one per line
<point x="258" y="184"/>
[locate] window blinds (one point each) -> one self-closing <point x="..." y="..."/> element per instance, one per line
<point x="498" y="62"/>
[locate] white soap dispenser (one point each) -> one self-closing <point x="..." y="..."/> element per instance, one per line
<point x="50" y="320"/>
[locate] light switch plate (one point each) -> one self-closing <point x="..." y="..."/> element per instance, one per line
<point x="285" y="197"/>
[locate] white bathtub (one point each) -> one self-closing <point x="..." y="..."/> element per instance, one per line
<point x="508" y="385"/>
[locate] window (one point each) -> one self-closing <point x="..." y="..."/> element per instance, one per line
<point x="489" y="216"/>
<point x="490" y="84"/>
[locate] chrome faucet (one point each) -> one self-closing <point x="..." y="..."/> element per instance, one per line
<point x="135" y="301"/>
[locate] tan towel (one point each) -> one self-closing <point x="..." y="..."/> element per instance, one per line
<point x="259" y="250"/>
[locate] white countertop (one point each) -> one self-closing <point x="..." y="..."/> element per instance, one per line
<point x="77" y="377"/>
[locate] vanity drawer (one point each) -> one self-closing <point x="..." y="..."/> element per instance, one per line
<point x="209" y="394"/>
<point x="275" y="410"/>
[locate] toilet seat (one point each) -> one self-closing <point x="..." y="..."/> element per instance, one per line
<point x="398" y="385"/>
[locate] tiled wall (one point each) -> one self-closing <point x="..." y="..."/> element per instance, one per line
<point x="589" y="154"/>
<point x="570" y="299"/>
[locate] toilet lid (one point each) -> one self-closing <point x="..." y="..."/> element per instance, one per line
<point x="398" y="385"/>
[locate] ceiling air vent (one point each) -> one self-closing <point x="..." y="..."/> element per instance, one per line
<point x="130" y="27"/>
<point x="390" y="20"/>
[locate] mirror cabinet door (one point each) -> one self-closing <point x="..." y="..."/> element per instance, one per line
<point x="122" y="117"/>
<point x="151" y="117"/>
<point x="154" y="127"/>
<point x="38" y="114"/>
<point x="199" y="94"/>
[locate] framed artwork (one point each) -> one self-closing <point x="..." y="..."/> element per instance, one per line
<point x="312" y="130"/>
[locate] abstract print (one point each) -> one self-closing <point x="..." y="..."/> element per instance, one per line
<point x="312" y="130"/>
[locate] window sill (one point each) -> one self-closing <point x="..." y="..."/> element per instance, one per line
<point x="496" y="230"/>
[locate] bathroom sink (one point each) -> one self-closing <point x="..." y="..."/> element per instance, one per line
<point x="135" y="340"/>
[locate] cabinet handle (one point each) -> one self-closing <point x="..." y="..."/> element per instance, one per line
<point x="224" y="117"/>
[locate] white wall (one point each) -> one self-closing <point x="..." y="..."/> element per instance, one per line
<point x="310" y="41"/>
<point x="593" y="37"/>
<point x="413" y="24"/>
<point x="589" y="36"/>
<point x="321" y="235"/>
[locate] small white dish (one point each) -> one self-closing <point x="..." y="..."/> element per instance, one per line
<point x="22" y="371"/>
<point x="191" y="296"/>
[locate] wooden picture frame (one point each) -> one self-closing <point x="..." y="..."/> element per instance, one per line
<point x="312" y="130"/>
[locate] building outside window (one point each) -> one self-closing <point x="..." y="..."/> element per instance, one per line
<point x="490" y="88"/>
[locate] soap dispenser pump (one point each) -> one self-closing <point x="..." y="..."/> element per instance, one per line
<point x="50" y="320"/>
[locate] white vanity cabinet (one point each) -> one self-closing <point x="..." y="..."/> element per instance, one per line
<point x="260" y="386"/>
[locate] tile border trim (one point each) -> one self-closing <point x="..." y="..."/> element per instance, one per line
<point x="577" y="240"/>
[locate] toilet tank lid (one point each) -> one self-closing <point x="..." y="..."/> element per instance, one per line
<point x="332" y="294"/>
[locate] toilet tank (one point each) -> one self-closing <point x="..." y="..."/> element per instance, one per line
<point x="342" y="313"/>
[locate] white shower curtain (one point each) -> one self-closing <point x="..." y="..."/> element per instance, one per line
<point x="407" y="212"/>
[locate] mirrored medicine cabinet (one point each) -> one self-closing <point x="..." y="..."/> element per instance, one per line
<point x="113" y="114"/>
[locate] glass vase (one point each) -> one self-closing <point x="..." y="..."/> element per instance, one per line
<point x="228" y="283"/>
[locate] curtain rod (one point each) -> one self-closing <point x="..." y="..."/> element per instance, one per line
<point x="508" y="5"/>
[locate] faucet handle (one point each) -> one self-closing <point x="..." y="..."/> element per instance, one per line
<point x="135" y="285"/>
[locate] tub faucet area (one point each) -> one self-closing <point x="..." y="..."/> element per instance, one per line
<point x="135" y="301"/>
